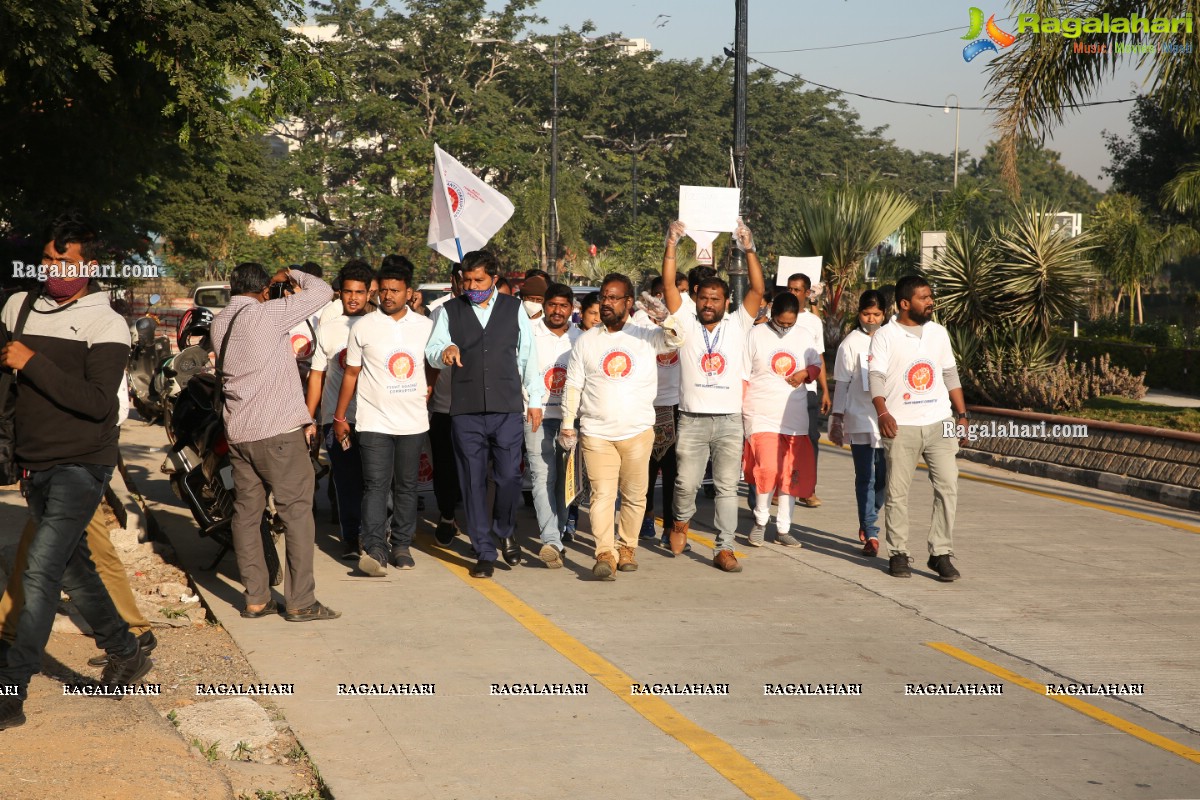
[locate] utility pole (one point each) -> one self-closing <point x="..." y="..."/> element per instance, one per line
<point x="737" y="267"/>
<point x="553" y="239"/>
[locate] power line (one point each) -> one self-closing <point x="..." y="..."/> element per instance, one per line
<point x="874" y="41"/>
<point x="930" y="105"/>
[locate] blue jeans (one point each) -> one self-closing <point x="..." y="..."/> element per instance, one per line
<point x="345" y="470"/>
<point x="541" y="453"/>
<point x="390" y="464"/>
<point x="870" y="485"/>
<point x="699" y="438"/>
<point x="62" y="500"/>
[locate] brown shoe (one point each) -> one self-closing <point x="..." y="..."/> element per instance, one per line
<point x="679" y="535"/>
<point x="625" y="560"/>
<point x="726" y="561"/>
<point x="812" y="502"/>
<point x="605" y="568"/>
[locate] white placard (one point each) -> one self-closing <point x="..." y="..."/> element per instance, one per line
<point x="709" y="208"/>
<point x="809" y="266"/>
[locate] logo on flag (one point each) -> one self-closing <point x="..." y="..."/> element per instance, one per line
<point x="783" y="363"/>
<point x="401" y="364"/>
<point x="457" y="201"/>
<point x="616" y="364"/>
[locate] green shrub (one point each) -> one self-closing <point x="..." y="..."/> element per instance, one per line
<point x="1171" y="369"/>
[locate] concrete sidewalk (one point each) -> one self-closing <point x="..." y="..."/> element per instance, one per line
<point x="1061" y="584"/>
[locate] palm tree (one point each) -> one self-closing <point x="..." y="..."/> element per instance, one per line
<point x="966" y="283"/>
<point x="842" y="225"/>
<point x="1182" y="193"/>
<point x="1036" y="83"/>
<point x="1132" y="248"/>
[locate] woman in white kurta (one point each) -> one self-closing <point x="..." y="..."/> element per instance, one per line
<point x="778" y="456"/>
<point x="855" y="423"/>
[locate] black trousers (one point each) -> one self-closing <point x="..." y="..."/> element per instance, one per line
<point x="445" y="472"/>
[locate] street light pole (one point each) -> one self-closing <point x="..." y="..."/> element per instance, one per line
<point x="552" y="244"/>
<point x="737" y="267"/>
<point x="957" y="113"/>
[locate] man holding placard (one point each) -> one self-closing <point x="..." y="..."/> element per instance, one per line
<point x="713" y="359"/>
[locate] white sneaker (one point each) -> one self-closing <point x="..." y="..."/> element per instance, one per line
<point x="758" y="535"/>
<point x="786" y="540"/>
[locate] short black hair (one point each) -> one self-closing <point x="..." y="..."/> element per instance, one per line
<point x="355" y="270"/>
<point x="312" y="268"/>
<point x="395" y="260"/>
<point x="800" y="276"/>
<point x="680" y="277"/>
<point x="248" y="277"/>
<point x="713" y="283"/>
<point x="502" y="281"/>
<point x="656" y="284"/>
<point x="537" y="273"/>
<point x="394" y="272"/>
<point x="785" y="302"/>
<point x="558" y="290"/>
<point x="907" y="286"/>
<point x="590" y="299"/>
<point x="697" y="275"/>
<point x="616" y="277"/>
<point x="872" y="298"/>
<point x="479" y="259"/>
<point x="70" y="227"/>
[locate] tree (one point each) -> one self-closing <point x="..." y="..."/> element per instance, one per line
<point x="1156" y="152"/>
<point x="1037" y="80"/>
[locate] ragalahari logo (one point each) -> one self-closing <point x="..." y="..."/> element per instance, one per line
<point x="995" y="36"/>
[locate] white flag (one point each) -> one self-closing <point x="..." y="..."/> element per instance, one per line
<point x="464" y="209"/>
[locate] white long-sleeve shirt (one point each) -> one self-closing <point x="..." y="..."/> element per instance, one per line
<point x="853" y="396"/>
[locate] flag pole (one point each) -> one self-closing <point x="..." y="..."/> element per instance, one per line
<point x="458" y="244"/>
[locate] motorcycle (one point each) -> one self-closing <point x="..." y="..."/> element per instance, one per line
<point x="149" y="385"/>
<point x="200" y="470"/>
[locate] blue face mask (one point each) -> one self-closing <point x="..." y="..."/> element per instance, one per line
<point x="478" y="296"/>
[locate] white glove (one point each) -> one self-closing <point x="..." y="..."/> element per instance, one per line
<point x="742" y="237"/>
<point x="655" y="309"/>
<point x="567" y="438"/>
<point x="675" y="231"/>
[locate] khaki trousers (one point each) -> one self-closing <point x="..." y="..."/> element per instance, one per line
<point x="617" y="467"/>
<point x="108" y="565"/>
<point x="912" y="443"/>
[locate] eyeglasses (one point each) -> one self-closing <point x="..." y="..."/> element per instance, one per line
<point x="613" y="298"/>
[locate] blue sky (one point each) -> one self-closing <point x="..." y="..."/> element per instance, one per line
<point x="924" y="69"/>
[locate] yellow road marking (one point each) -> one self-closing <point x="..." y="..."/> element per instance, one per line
<point x="717" y="753"/>
<point x="1073" y="703"/>
<point x="1124" y="512"/>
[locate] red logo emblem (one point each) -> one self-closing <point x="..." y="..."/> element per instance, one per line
<point x="302" y="346"/>
<point x="919" y="376"/>
<point x="556" y="379"/>
<point x="668" y="359"/>
<point x="425" y="469"/>
<point x="401" y="365"/>
<point x="783" y="363"/>
<point x="712" y="363"/>
<point x="455" y="193"/>
<point x="341" y="359"/>
<point x="616" y="364"/>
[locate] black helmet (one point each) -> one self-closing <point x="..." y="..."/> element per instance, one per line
<point x="195" y="321"/>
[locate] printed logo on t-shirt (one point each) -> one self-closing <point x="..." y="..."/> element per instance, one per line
<point x="783" y="363"/>
<point x="667" y="359"/>
<point x="401" y="365"/>
<point x="616" y="364"/>
<point x="302" y="346"/>
<point x="919" y="376"/>
<point x="340" y="358"/>
<point x="712" y="364"/>
<point x="555" y="378"/>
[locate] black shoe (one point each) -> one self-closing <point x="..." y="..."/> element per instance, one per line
<point x="12" y="712"/>
<point x="401" y="558"/>
<point x="483" y="569"/>
<point x="146" y="641"/>
<point x="898" y="566"/>
<point x="270" y="608"/>
<point x="350" y="551"/>
<point x="942" y="566"/>
<point x="311" y="614"/>
<point x="512" y="551"/>
<point x="124" y="671"/>
<point x="445" y="533"/>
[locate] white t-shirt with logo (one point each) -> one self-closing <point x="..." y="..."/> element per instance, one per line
<point x="303" y="338"/>
<point x="914" y="391"/>
<point x="851" y="368"/>
<point x="330" y="357"/>
<point x="713" y="363"/>
<point x="812" y="323"/>
<point x="391" y="386"/>
<point x="617" y="377"/>
<point x="771" y="404"/>
<point x="668" y="365"/>
<point x="553" y="353"/>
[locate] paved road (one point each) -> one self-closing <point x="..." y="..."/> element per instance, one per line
<point x="1062" y="584"/>
<point x="1163" y="398"/>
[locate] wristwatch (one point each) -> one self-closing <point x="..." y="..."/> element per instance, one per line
<point x="963" y="415"/>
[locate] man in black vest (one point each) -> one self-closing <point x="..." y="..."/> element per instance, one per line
<point x="486" y="335"/>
